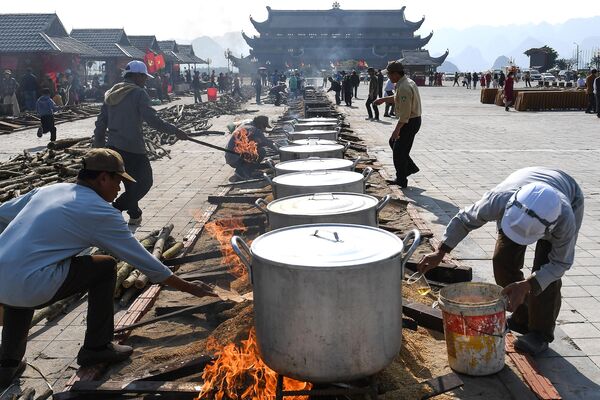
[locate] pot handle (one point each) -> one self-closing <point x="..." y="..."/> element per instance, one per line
<point x="243" y="252"/>
<point x="367" y="173"/>
<point x="270" y="163"/>
<point x="382" y="203"/>
<point x="268" y="178"/>
<point x="261" y="204"/>
<point x="355" y="163"/>
<point x="415" y="235"/>
<point x="346" y="147"/>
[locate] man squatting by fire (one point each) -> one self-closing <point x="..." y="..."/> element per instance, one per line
<point x="42" y="234"/>
<point x="249" y="141"/>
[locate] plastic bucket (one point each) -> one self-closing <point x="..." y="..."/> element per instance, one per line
<point x="211" y="92"/>
<point x="474" y="327"/>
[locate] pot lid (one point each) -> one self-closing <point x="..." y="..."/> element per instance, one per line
<point x="312" y="148"/>
<point x="312" y="141"/>
<point x="318" y="178"/>
<point x="314" y="164"/>
<point x="322" y="204"/>
<point x="326" y="245"/>
<point x="317" y="119"/>
<point x="316" y="124"/>
<point x="315" y="132"/>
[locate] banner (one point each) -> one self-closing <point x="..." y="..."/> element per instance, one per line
<point x="159" y="62"/>
<point x="150" y="62"/>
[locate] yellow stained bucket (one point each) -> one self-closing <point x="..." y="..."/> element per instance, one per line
<point x="474" y="327"/>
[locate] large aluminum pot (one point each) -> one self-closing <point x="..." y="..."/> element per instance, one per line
<point x="318" y="119"/>
<point x="318" y="208"/>
<point x="312" y="164"/>
<point x="327" y="299"/>
<point x="293" y="152"/>
<point x="318" y="182"/>
<point x="331" y="134"/>
<point x="307" y="126"/>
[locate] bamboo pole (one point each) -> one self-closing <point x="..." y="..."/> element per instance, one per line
<point x="143" y="280"/>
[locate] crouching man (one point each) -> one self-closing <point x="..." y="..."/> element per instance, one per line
<point x="532" y="205"/>
<point x="250" y="142"/>
<point x="41" y="234"/>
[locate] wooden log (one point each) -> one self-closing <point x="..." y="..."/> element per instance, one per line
<point x="427" y="317"/>
<point x="128" y="295"/>
<point x="45" y="395"/>
<point x="54" y="309"/>
<point x="142" y="279"/>
<point x="173" y="251"/>
<point x="193" y="258"/>
<point x="122" y="274"/>
<point x="27" y="394"/>
<point x="175" y="370"/>
<point x="65" y="143"/>
<point x="130" y="280"/>
<point x="206" y="276"/>
<point x="138" y="387"/>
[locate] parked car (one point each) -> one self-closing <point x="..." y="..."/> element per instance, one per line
<point x="535" y="75"/>
<point x="548" y="77"/>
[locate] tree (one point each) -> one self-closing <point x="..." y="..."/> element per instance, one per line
<point x="549" y="56"/>
<point x="595" y="61"/>
<point x="565" y="63"/>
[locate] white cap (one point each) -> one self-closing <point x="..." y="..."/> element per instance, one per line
<point x="136" y="67"/>
<point x="530" y="213"/>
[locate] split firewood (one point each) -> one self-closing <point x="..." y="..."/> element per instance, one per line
<point x="142" y="279"/>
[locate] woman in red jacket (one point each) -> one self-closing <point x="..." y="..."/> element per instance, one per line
<point x="509" y="94"/>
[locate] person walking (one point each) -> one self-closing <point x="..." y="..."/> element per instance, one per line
<point x="407" y="104"/>
<point x="45" y="108"/>
<point x="257" y="83"/>
<point x="42" y="233"/>
<point x="495" y="80"/>
<point x="475" y="79"/>
<point x="501" y="79"/>
<point x="372" y="108"/>
<point x="29" y="88"/>
<point x="488" y="79"/>
<point x="196" y="86"/>
<point x="336" y="88"/>
<point x="389" y="91"/>
<point x="380" y="79"/>
<point x="237" y="87"/>
<point x="527" y="78"/>
<point x="532" y="205"/>
<point x="597" y="94"/>
<point x="589" y="89"/>
<point x="8" y="90"/>
<point x="456" y="76"/>
<point x="347" y="89"/>
<point x="509" y="92"/>
<point x="126" y="106"/>
<point x="355" y="80"/>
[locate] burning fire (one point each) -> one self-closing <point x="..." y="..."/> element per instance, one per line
<point x="222" y="231"/>
<point x="240" y="374"/>
<point x="244" y="145"/>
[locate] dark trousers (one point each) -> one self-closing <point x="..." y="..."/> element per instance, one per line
<point x="389" y="107"/>
<point x="138" y="166"/>
<point x="598" y="105"/>
<point x="338" y="99"/>
<point x="355" y="91"/>
<point x="539" y="313"/>
<point x="94" y="274"/>
<point x="47" y="122"/>
<point x="348" y="97"/>
<point x="401" y="147"/>
<point x="591" y="103"/>
<point x="370" y="105"/>
<point x="197" y="96"/>
<point x="258" y="92"/>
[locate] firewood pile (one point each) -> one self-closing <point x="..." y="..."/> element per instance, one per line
<point x="30" y="119"/>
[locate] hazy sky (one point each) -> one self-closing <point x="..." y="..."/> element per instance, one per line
<point x="187" y="19"/>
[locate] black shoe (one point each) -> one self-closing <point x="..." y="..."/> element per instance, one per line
<point x="516" y="327"/>
<point x="386" y="115"/>
<point x="39" y="132"/>
<point x="112" y="353"/>
<point x="9" y="374"/>
<point x="505" y="108"/>
<point x="532" y="343"/>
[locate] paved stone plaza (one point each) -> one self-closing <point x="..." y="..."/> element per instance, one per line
<point x="465" y="148"/>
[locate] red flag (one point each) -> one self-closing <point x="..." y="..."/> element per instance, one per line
<point x="150" y="62"/>
<point x="159" y="62"/>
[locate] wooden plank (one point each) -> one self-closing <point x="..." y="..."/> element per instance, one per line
<point x="193" y="258"/>
<point x="442" y="384"/>
<point x="538" y="383"/>
<point x="427" y="317"/>
<point x="137" y="387"/>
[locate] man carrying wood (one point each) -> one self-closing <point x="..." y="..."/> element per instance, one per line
<point x="42" y="233"/>
<point x="532" y="205"/>
<point x="126" y="106"/>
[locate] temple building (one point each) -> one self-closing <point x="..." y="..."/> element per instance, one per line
<point x="322" y="38"/>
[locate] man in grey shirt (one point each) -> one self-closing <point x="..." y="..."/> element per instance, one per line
<point x="41" y="234"/>
<point x="532" y="205"/>
<point x="126" y="106"/>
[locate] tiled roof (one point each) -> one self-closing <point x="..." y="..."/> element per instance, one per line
<point x="109" y="42"/>
<point x="72" y="46"/>
<point x="21" y="33"/>
<point x="144" y="43"/>
<point x="187" y="56"/>
<point x="421" y="58"/>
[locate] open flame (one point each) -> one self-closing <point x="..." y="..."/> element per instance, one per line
<point x="223" y="230"/>
<point x="244" y="145"/>
<point x="239" y="373"/>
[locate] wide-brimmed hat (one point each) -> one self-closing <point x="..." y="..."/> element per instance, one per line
<point x="106" y="160"/>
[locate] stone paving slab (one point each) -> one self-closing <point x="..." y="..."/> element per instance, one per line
<point x="181" y="187"/>
<point x="465" y="148"/>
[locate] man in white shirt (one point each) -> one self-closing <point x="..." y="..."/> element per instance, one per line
<point x="41" y="234"/>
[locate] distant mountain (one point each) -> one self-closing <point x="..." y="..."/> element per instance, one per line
<point x="215" y="47"/>
<point x="448" y="67"/>
<point x="477" y="47"/>
<point x="500" y="62"/>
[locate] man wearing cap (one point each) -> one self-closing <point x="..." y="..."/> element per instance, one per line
<point x="249" y="140"/>
<point x="407" y="107"/>
<point x="532" y="205"/>
<point x="126" y="106"/>
<point x="42" y="234"/>
<point x="8" y="92"/>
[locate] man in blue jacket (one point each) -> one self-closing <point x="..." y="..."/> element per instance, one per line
<point x="126" y="106"/>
